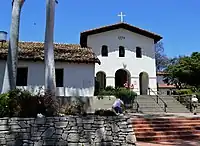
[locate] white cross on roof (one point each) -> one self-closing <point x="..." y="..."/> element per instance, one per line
<point x="121" y="15"/>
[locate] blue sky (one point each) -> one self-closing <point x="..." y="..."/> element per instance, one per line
<point x="178" y="21"/>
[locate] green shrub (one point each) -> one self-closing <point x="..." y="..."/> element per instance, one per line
<point x="4" y="109"/>
<point x="103" y="112"/>
<point x="109" y="88"/>
<point x="106" y="93"/>
<point x="48" y="105"/>
<point x="198" y="96"/>
<point x="21" y="103"/>
<point x="125" y="94"/>
<point x="76" y="108"/>
<point x="184" y="92"/>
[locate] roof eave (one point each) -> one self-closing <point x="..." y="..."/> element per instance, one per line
<point x="157" y="39"/>
<point x="98" y="61"/>
<point x="85" y="34"/>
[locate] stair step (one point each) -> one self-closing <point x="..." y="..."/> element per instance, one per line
<point x="165" y="122"/>
<point x="166" y="118"/>
<point x="163" y="128"/>
<point x="174" y="105"/>
<point x="167" y="125"/>
<point x="168" y="137"/>
<point x="159" y="133"/>
<point x="166" y="128"/>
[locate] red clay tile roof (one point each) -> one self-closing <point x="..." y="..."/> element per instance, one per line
<point x="162" y="73"/>
<point x="63" y="52"/>
<point x="85" y="34"/>
<point x="166" y="86"/>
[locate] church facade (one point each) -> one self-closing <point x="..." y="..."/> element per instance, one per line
<point x="127" y="56"/>
<point x="117" y="55"/>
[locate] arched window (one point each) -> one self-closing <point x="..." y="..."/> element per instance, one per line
<point x="138" y="52"/>
<point x="121" y="51"/>
<point x="101" y="79"/>
<point x="104" y="50"/>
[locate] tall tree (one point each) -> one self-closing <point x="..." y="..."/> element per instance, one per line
<point x="184" y="71"/>
<point x="12" y="58"/>
<point x="50" y="84"/>
<point x="161" y="58"/>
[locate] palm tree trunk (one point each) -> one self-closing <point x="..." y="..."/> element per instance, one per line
<point x="10" y="74"/>
<point x="50" y="84"/>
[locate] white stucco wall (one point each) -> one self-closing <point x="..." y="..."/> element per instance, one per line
<point x="134" y="65"/>
<point x="78" y="78"/>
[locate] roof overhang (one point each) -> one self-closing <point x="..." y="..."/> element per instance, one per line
<point x="85" y="34"/>
<point x="34" y="51"/>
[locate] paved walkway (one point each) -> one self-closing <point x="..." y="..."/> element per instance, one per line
<point x="174" y="143"/>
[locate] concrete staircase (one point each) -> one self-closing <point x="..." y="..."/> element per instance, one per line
<point x="147" y="104"/>
<point x="166" y="129"/>
<point x="173" y="106"/>
<point x="198" y="109"/>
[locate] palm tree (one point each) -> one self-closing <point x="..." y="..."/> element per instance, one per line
<point x="50" y="84"/>
<point x="12" y="58"/>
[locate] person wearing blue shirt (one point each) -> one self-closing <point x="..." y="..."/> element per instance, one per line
<point x="117" y="106"/>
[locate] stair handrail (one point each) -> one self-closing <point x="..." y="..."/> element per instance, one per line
<point x="186" y="100"/>
<point x="157" y="99"/>
<point x="158" y="92"/>
<point x="137" y="105"/>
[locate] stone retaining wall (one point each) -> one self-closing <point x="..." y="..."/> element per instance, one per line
<point x="67" y="131"/>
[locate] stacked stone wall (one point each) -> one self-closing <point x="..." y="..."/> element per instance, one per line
<point x="90" y="130"/>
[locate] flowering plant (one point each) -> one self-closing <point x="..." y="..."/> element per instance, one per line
<point x="128" y="86"/>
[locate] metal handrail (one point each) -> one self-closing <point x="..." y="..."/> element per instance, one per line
<point x="157" y="99"/>
<point x="186" y="101"/>
<point x="158" y="92"/>
<point x="137" y="104"/>
<point x="137" y="108"/>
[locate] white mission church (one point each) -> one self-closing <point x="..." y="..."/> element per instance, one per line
<point x="113" y="55"/>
